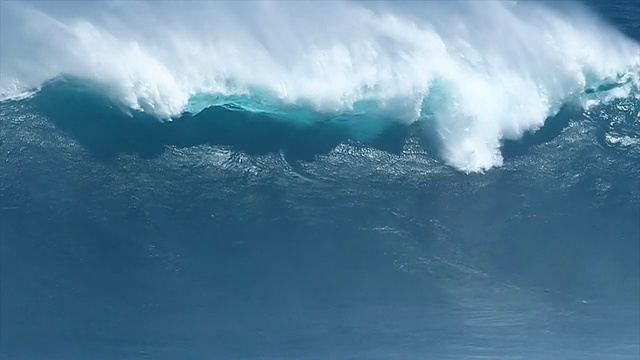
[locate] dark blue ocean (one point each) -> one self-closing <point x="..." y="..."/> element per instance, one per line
<point x="320" y="180"/>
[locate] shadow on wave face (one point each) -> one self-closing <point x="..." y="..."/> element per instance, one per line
<point x="106" y="131"/>
<point x="552" y="128"/>
<point x="82" y="111"/>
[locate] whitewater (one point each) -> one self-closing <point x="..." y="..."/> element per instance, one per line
<point x="477" y="73"/>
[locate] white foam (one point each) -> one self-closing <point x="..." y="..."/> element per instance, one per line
<point x="626" y="141"/>
<point x="486" y="70"/>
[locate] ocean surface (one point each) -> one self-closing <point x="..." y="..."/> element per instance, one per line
<point x="320" y="180"/>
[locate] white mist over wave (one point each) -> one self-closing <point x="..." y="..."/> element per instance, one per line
<point x="482" y="71"/>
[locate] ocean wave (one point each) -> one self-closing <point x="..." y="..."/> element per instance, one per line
<point x="107" y="129"/>
<point x="479" y="74"/>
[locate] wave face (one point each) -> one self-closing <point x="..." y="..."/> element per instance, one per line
<point x="319" y="180"/>
<point x="479" y="73"/>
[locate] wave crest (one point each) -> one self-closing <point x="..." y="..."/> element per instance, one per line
<point x="482" y="73"/>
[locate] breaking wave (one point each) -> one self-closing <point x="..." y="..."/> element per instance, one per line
<point x="478" y="73"/>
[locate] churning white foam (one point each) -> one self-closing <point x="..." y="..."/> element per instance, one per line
<point x="484" y="71"/>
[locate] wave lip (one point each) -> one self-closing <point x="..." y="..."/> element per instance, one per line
<point x="444" y="63"/>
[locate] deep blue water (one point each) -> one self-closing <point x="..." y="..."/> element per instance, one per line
<point x="230" y="234"/>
